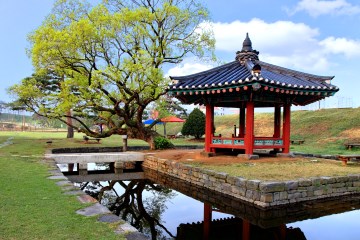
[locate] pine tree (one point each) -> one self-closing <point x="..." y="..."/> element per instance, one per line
<point x="195" y="124"/>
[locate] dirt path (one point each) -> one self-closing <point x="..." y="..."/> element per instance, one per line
<point x="7" y="142"/>
<point x="193" y="155"/>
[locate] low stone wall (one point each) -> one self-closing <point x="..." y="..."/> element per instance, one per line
<point x="97" y="149"/>
<point x="263" y="194"/>
<point x="113" y="149"/>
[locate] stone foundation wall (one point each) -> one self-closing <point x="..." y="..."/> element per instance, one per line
<point x="112" y="149"/>
<point x="264" y="194"/>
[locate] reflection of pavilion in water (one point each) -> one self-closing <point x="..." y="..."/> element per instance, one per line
<point x="234" y="228"/>
<point x="248" y="223"/>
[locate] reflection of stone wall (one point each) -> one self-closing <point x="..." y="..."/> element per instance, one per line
<point x="261" y="193"/>
<point x="252" y="213"/>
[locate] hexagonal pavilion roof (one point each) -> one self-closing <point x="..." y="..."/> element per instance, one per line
<point x="248" y="78"/>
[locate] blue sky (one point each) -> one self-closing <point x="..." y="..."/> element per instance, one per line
<point x="314" y="36"/>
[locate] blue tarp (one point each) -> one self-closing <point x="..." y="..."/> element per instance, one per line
<point x="150" y="121"/>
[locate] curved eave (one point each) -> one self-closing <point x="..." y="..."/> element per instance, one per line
<point x="300" y="96"/>
<point x="264" y="82"/>
<point x="233" y="82"/>
<point x="246" y="87"/>
<point x="234" y="73"/>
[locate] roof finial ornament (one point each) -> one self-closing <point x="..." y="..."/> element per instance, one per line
<point x="247" y="51"/>
<point x="247" y="45"/>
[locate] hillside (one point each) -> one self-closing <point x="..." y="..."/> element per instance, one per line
<point x="319" y="125"/>
<point x="312" y="125"/>
<point x="322" y="129"/>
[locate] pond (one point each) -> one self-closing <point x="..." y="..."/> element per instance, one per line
<point x="164" y="207"/>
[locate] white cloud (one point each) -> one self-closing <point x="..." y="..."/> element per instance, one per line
<point x="187" y="67"/>
<point x="277" y="37"/>
<point x="316" y="8"/>
<point x="348" y="47"/>
<point x="284" y="43"/>
<point x="311" y="62"/>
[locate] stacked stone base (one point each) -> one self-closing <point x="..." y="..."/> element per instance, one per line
<point x="263" y="194"/>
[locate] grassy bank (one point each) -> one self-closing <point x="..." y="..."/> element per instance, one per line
<point x="325" y="131"/>
<point x="266" y="168"/>
<point x="284" y="170"/>
<point x="34" y="207"/>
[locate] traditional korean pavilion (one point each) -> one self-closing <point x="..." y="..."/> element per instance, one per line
<point x="248" y="83"/>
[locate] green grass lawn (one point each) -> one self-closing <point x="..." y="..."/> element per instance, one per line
<point x="59" y="140"/>
<point x="284" y="170"/>
<point x="325" y="148"/>
<point x="301" y="168"/>
<point x="34" y="207"/>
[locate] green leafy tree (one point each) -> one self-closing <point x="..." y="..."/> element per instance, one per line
<point x="46" y="82"/>
<point x="195" y="124"/>
<point x="111" y="58"/>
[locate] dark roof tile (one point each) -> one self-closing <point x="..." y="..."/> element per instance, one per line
<point x="235" y="73"/>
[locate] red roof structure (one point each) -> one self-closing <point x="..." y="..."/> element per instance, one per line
<point x="249" y="83"/>
<point x="172" y="119"/>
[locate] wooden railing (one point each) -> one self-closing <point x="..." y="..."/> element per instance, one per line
<point x="233" y="142"/>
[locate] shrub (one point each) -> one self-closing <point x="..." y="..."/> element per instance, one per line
<point x="163" y="143"/>
<point x="195" y="124"/>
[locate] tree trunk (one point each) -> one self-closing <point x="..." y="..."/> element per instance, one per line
<point x="144" y="134"/>
<point x="151" y="143"/>
<point x="70" y="130"/>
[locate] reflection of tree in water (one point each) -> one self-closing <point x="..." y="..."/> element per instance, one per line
<point x="143" y="212"/>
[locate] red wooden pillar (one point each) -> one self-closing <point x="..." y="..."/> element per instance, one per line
<point x="277" y="119"/>
<point x="286" y="128"/>
<point x="245" y="230"/>
<point x="282" y="232"/>
<point x="249" y="136"/>
<point x="71" y="167"/>
<point x="209" y="126"/>
<point x="242" y="122"/>
<point x="207" y="220"/>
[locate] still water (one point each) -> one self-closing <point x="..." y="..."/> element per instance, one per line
<point x="163" y="207"/>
